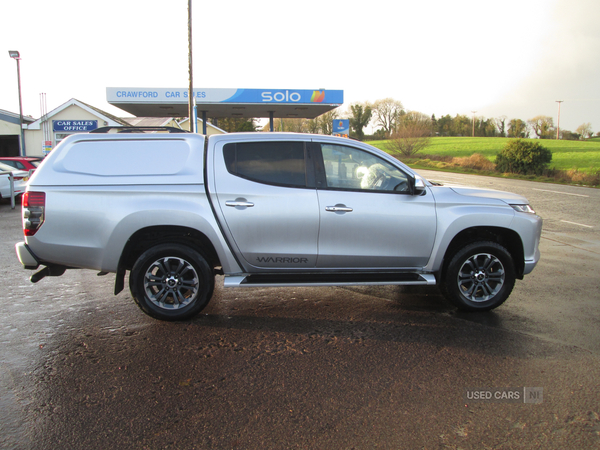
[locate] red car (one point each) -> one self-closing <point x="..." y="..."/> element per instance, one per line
<point x="22" y="162"/>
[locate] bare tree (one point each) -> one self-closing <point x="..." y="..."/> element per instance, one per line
<point x="542" y="126"/>
<point x="501" y="124"/>
<point x="313" y="126"/>
<point x="386" y="113"/>
<point x="327" y="121"/>
<point x="290" y="125"/>
<point x="585" y="130"/>
<point x="412" y="134"/>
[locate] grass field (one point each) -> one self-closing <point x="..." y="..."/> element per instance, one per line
<point x="581" y="155"/>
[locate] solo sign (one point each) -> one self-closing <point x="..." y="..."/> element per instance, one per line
<point x="74" y="125"/>
<point x="341" y="127"/>
<point x="281" y="97"/>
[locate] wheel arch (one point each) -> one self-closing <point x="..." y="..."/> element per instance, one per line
<point x="146" y="238"/>
<point x="508" y="238"/>
<point x="149" y="237"/>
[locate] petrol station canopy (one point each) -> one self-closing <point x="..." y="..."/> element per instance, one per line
<point x="220" y="103"/>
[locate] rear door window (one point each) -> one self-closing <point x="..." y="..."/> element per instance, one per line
<point x="277" y="163"/>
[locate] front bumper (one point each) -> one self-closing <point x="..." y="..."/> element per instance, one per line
<point x="530" y="265"/>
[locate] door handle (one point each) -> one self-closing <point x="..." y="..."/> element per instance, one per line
<point x="338" y="208"/>
<point x="239" y="204"/>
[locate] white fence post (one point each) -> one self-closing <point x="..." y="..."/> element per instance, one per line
<point x="11" y="180"/>
<point x="11" y="177"/>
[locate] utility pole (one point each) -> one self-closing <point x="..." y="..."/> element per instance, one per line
<point x="558" y="121"/>
<point x="191" y="75"/>
<point x="473" y="122"/>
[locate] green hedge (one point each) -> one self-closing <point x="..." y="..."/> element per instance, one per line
<point x="524" y="157"/>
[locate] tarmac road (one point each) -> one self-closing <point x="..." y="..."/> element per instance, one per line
<point x="311" y="368"/>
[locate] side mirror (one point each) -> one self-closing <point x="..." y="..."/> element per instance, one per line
<point x="417" y="185"/>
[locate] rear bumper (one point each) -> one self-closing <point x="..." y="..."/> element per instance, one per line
<point x="26" y="256"/>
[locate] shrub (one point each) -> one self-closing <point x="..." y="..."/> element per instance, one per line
<point x="476" y="161"/>
<point x="411" y="135"/>
<point x="591" y="179"/>
<point x="524" y="157"/>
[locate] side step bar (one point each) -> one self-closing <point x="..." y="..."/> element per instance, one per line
<point x="345" y="279"/>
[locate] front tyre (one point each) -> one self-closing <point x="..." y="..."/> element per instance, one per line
<point x="171" y="282"/>
<point x="479" y="277"/>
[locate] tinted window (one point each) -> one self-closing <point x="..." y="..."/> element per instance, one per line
<point x="355" y="169"/>
<point x="10" y="162"/>
<point x="281" y="163"/>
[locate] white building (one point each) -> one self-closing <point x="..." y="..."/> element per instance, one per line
<point x="10" y="132"/>
<point x="73" y="116"/>
<point x="69" y="118"/>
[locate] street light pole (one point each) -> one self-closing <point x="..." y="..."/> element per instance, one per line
<point x="15" y="55"/>
<point x="558" y="121"/>
<point x="193" y="122"/>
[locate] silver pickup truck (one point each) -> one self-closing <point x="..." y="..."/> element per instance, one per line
<point x="266" y="209"/>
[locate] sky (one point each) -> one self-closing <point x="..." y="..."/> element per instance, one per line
<point x="512" y="58"/>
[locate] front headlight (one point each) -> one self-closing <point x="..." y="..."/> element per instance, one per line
<point x="523" y="208"/>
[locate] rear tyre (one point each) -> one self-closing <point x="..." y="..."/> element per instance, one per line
<point x="171" y="282"/>
<point x="479" y="277"/>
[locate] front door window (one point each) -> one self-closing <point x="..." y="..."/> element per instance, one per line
<point x="351" y="168"/>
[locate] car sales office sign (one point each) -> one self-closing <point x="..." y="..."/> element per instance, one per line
<point x="73" y="126"/>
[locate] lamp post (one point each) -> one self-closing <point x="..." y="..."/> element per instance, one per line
<point x="15" y="55"/>
<point x="558" y="121"/>
<point x="191" y="114"/>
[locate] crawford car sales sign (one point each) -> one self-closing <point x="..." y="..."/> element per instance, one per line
<point x="74" y="125"/>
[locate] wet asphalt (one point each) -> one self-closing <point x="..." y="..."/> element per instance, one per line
<point x="311" y="368"/>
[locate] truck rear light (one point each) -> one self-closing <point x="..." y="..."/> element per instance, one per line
<point x="34" y="205"/>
